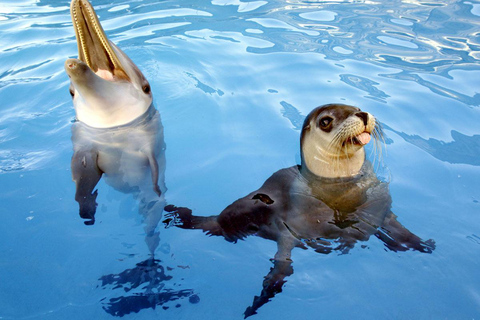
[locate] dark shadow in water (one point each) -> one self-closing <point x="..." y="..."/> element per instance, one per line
<point x="146" y="284"/>
<point x="366" y="85"/>
<point x="292" y="114"/>
<point x="436" y="88"/>
<point x="463" y="149"/>
<point x="300" y="210"/>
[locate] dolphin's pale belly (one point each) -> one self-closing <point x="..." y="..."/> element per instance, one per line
<point x="125" y="170"/>
<point x="125" y="154"/>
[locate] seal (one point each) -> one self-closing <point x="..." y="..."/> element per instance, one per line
<point x="328" y="203"/>
<point x="118" y="133"/>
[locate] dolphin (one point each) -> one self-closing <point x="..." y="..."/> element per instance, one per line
<point x="118" y="132"/>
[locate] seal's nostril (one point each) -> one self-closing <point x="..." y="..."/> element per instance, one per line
<point x="363" y="116"/>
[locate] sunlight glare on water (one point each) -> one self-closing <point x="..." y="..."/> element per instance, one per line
<point x="232" y="81"/>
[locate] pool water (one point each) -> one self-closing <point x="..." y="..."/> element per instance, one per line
<point x="232" y="81"/>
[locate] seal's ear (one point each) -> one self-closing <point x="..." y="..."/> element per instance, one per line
<point x="307" y="127"/>
<point x="263" y="197"/>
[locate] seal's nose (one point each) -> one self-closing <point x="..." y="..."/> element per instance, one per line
<point x="363" y="116"/>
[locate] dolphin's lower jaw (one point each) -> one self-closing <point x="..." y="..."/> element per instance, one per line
<point x="76" y="69"/>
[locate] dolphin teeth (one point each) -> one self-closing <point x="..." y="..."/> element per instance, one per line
<point x="88" y="28"/>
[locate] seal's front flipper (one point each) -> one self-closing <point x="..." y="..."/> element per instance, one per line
<point x="86" y="174"/>
<point x="183" y="218"/>
<point x="398" y="238"/>
<point x="272" y="284"/>
<point x="274" y="280"/>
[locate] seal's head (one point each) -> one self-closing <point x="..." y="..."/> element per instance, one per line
<point x="107" y="88"/>
<point x="332" y="140"/>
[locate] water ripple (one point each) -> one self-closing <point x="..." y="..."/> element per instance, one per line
<point x="278" y="24"/>
<point x="151" y="17"/>
<point x="438" y="89"/>
<point x="366" y="85"/>
<point x="242" y="6"/>
<point x="23" y="161"/>
<point x="380" y="33"/>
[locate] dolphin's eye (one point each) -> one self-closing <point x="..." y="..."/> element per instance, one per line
<point x="146" y="88"/>
<point x="325" y="121"/>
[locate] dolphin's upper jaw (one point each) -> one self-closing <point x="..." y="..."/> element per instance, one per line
<point x="93" y="46"/>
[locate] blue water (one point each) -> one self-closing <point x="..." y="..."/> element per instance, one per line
<point x="233" y="81"/>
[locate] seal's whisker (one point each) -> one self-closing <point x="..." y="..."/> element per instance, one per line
<point x="379" y="144"/>
<point x="375" y="151"/>
<point x="381" y="135"/>
<point x="334" y="142"/>
<point x="379" y="140"/>
<point x="348" y="158"/>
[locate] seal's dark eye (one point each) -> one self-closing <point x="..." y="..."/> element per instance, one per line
<point x="325" y="121"/>
<point x="146" y="88"/>
<point x="72" y="93"/>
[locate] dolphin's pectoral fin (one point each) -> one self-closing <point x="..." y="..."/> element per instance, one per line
<point x="154" y="169"/>
<point x="182" y="217"/>
<point x="86" y="174"/>
<point x="272" y="284"/>
<point x="152" y="211"/>
<point x="398" y="238"/>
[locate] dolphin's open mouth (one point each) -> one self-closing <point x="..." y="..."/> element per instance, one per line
<point x="93" y="46"/>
